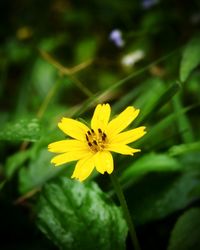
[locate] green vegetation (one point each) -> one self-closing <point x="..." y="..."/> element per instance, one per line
<point x="58" y="58"/>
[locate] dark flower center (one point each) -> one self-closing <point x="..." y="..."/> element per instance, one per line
<point x="96" y="141"/>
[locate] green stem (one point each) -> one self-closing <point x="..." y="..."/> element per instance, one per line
<point x="126" y="212"/>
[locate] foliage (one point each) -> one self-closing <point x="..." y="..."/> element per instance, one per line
<point x="187" y="225"/>
<point x="86" y="207"/>
<point x="57" y="59"/>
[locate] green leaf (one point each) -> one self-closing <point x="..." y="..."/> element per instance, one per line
<point x="39" y="171"/>
<point x="15" y="161"/>
<point x="182" y="121"/>
<point x="185" y="148"/>
<point x="149" y="163"/>
<point x="185" y="235"/>
<point x="159" y="132"/>
<point x="190" y="59"/>
<point x="159" y="195"/>
<point x="80" y="216"/>
<point x="157" y="102"/>
<point x="156" y="87"/>
<point x="22" y="130"/>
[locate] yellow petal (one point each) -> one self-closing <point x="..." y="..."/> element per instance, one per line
<point x="73" y="128"/>
<point x="129" y="136"/>
<point x="121" y="121"/>
<point x="83" y="169"/>
<point x="101" y="117"/>
<point x="122" y="149"/>
<point x="67" y="145"/>
<point x="104" y="162"/>
<point x="69" y="156"/>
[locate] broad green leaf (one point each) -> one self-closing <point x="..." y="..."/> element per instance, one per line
<point x="80" y="216"/>
<point x="190" y="59"/>
<point x="149" y="163"/>
<point x="39" y="171"/>
<point x="185" y="235"/>
<point x="15" y="161"/>
<point x="184" y="148"/>
<point x="22" y="130"/>
<point x="159" y="195"/>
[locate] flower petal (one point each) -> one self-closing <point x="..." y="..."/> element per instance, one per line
<point x="69" y="156"/>
<point x="73" y="128"/>
<point x="101" y="117"/>
<point x="83" y="169"/>
<point x="104" y="162"/>
<point x="122" y="149"/>
<point x="121" y="121"/>
<point x="67" y="145"/>
<point x="129" y="136"/>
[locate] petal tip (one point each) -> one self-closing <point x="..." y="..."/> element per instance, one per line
<point x="109" y="171"/>
<point x="132" y="108"/>
<point x="60" y="125"/>
<point x="55" y="163"/>
<point x="137" y="111"/>
<point x="50" y="147"/>
<point x="107" y="105"/>
<point x="62" y="120"/>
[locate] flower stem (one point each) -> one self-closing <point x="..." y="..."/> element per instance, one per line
<point x="126" y="212"/>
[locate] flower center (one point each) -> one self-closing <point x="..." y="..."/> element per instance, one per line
<point x="96" y="141"/>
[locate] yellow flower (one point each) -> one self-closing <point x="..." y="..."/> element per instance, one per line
<point x="91" y="146"/>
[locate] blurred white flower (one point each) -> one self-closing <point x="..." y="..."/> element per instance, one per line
<point x="116" y="37"/>
<point x="146" y="4"/>
<point x="131" y="58"/>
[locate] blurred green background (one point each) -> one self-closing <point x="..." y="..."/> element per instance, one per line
<point x="58" y="58"/>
